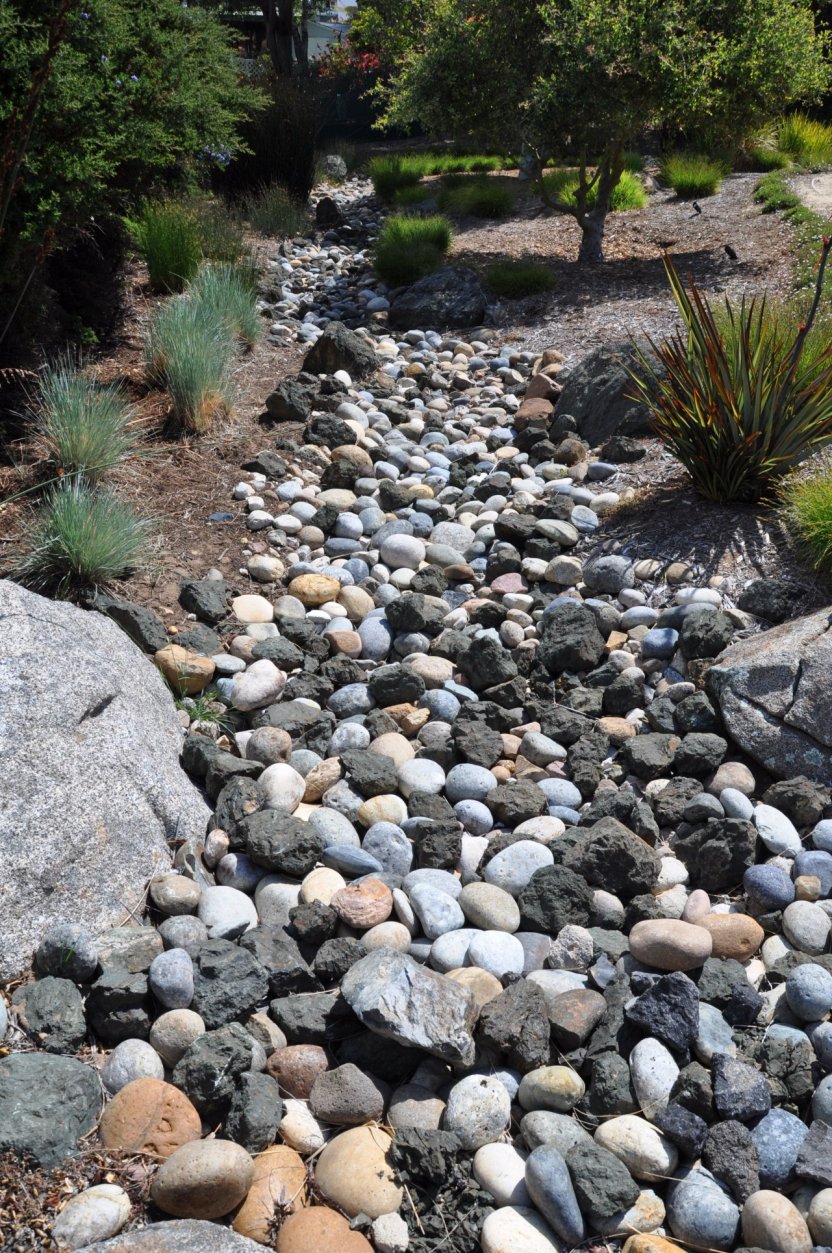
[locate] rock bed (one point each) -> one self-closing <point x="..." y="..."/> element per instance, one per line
<point x="496" y="939"/>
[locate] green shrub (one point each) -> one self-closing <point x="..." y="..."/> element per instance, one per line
<point x="807" y="503"/>
<point x="272" y="210"/>
<point x="81" y="537"/>
<point x="523" y="277"/>
<point x="390" y="173"/>
<point x="739" y="411"/>
<point x="477" y="197"/>
<point x="408" y="248"/>
<point x="629" y="192"/>
<point x="763" y="157"/>
<point x="168" y="237"/>
<point x="189" y="352"/>
<point x="83" y="424"/>
<point x="805" y="140"/>
<point x="220" y="231"/>
<point x="633" y="162"/>
<point x="414" y="195"/>
<point x="228" y="294"/>
<point x="690" y="174"/>
<point x="775" y="195"/>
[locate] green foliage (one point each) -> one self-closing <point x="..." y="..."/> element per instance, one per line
<point x="408" y="248"/>
<point x="774" y="194"/>
<point x="561" y="186"/>
<point x="206" y="707"/>
<point x="414" y="195"/>
<point x="81" y="537"/>
<point x="227" y="293"/>
<point x="220" y="230"/>
<point x="600" y="71"/>
<point x="807" y="502"/>
<point x="272" y="210"/>
<point x="633" y="162"/>
<point x="522" y="277"/>
<point x="763" y="157"/>
<point x="169" y="240"/>
<point x="390" y="173"/>
<point x="738" y="410"/>
<point x="84" y="425"/>
<point x="805" y="140"/>
<point x="691" y="174"/>
<point x="189" y="352"/>
<point x="141" y="91"/>
<point x="477" y="197"/>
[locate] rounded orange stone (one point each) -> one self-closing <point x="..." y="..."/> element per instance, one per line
<point x="149" y="1116"/>
<point x="279" y="1187"/>
<point x="363" y="905"/>
<point x="321" y="1230"/>
<point x="297" y="1067"/>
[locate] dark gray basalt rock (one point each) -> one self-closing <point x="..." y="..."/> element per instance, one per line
<point x="451" y="297"/>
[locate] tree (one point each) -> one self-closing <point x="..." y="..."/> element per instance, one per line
<point x="589" y="75"/>
<point x="99" y="101"/>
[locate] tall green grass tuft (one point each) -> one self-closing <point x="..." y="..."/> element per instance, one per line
<point x="168" y="236"/>
<point x="189" y="352"/>
<point x="690" y="174"/>
<point x="389" y="173"/>
<point x="273" y="210"/>
<point x="805" y="140"/>
<point x="81" y="537"/>
<point x="227" y="294"/>
<point x="84" y="425"/>
<point x="807" y="503"/>
<point x="629" y="192"/>
<point x="220" y="231"/>
<point x="408" y="248"/>
<point x="477" y="197"/>
<point x="523" y="277"/>
<point x="764" y="158"/>
<point x="414" y="195"/>
<point x="738" y="410"/>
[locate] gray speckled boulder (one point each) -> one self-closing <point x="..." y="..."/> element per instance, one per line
<point x="91" y="790"/>
<point x="186" y="1235"/>
<point x="775" y="694"/>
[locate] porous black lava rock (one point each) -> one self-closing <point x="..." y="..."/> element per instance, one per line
<point x="611" y="1090"/>
<point x="339" y="348"/>
<point x="554" y="897"/>
<point x="279" y="842"/>
<point x="280" y="957"/>
<point x="609" y="856"/>
<point x="668" y="1011"/>
<point x="335" y="957"/>
<point x="801" y="799"/>
<point x="117" y="1006"/>
<point x="229" y="982"/>
<point x="731" y="1154"/>
<point x="314" y="1017"/>
<point x="209" y="1069"/>
<point x="693" y="1089"/>
<point x="52" y="1011"/>
<point x="814" y="1160"/>
<point x="209" y="599"/>
<point x="254" y="1113"/>
<point x="516" y="1025"/>
<point x="718" y="853"/>
<point x="740" y="1091"/>
<point x="687" y="1130"/>
<point x="290" y="402"/>
<point x="602" y="1183"/>
<point x="570" y="639"/>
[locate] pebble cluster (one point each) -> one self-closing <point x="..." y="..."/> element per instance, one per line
<point x="494" y="942"/>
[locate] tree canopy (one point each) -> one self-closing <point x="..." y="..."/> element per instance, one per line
<point x="585" y="77"/>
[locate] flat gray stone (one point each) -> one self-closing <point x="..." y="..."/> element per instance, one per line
<point x="46" y="1104"/>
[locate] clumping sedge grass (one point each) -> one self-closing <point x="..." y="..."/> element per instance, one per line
<point x="691" y="174"/>
<point x="189" y="351"/>
<point x="272" y="210"/>
<point x="414" y="195"/>
<point x="478" y="198"/>
<point x="764" y="157"/>
<point x="805" y="140"/>
<point x="199" y="708"/>
<point x="807" y="502"/>
<point x="227" y="293"/>
<point x="81" y="537"/>
<point x="390" y="173"/>
<point x="220" y="231"/>
<point x="408" y="248"/>
<point x="629" y="192"/>
<point x="84" y="425"/>
<point x="633" y="162"/>
<point x="168" y="236"/>
<point x="523" y="277"/>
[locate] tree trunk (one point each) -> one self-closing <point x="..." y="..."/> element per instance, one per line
<point x="592" y="225"/>
<point x="279" y="22"/>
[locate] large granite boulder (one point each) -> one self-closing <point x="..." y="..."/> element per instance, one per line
<point x="91" y="790"/>
<point x="182" y="1235"/>
<point x="452" y="296"/>
<point x="775" y="694"/>
<point x="597" y="392"/>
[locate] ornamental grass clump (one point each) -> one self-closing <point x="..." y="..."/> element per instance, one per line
<point x="273" y="210"/>
<point x="561" y="188"/>
<point x="807" y="502"/>
<point x="169" y="239"/>
<point x="690" y="174"/>
<point x="409" y="248"/>
<point x="738" y="409"/>
<point x="227" y="293"/>
<point x="85" y="426"/>
<point x="518" y="278"/>
<point x="805" y="140"/>
<point x="189" y="352"/>
<point x="478" y="197"/>
<point x="390" y="173"/>
<point x="81" y="537"/>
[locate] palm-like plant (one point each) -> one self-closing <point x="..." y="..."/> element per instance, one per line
<point x="741" y="409"/>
